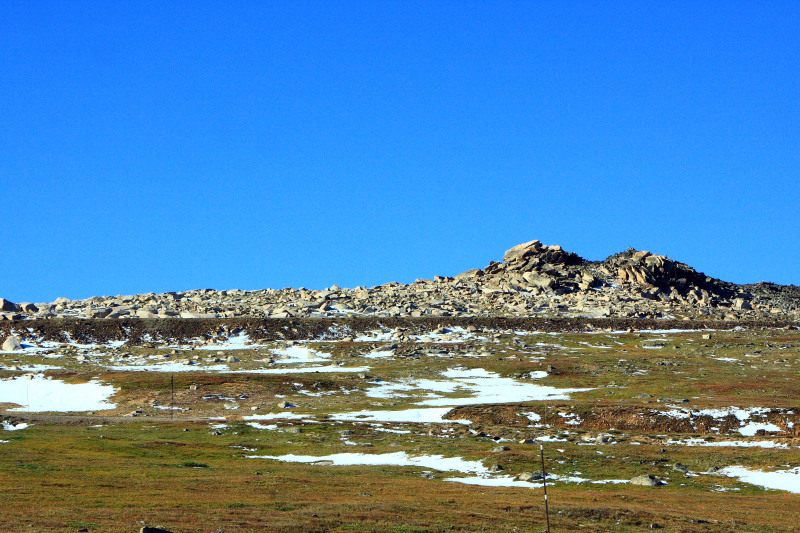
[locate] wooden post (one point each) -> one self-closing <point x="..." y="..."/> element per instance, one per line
<point x="544" y="482"/>
<point x="172" y="397"/>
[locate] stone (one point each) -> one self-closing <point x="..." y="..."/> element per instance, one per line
<point x="678" y="467"/>
<point x="521" y="250"/>
<point x="153" y="530"/>
<point x="285" y="405"/>
<point x="12" y="344"/>
<point x="541" y="281"/>
<point x="28" y="307"/>
<point x="498" y="449"/>
<point x="646" y="481"/>
<point x="98" y="313"/>
<point x="605" y="438"/>
<point x="531" y="476"/>
<point x="8" y="305"/>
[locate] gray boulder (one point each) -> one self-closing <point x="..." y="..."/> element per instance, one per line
<point x="531" y="476"/>
<point x="678" y="467"/>
<point x="12" y="344"/>
<point x="646" y="481"/>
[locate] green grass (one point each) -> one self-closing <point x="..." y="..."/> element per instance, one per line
<point x="180" y="473"/>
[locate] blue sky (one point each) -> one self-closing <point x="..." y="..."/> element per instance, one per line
<point x="156" y="146"/>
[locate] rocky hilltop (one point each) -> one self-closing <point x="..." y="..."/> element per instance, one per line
<point x="533" y="279"/>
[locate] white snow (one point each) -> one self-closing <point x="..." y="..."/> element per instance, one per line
<point x="500" y="481"/>
<point x="533" y="417"/>
<point x="268" y="427"/>
<point x="435" y="462"/>
<point x="750" y="429"/>
<point x="300" y="370"/>
<point x="169" y="367"/>
<point x="287" y="415"/>
<point x="550" y="438"/>
<point x="40" y="393"/>
<point x="428" y="415"/>
<point x="234" y="342"/>
<point x="374" y="336"/>
<point x="379" y="354"/>
<point x="8" y="426"/>
<point x="788" y="480"/>
<point x="34" y="368"/>
<point x="300" y="354"/>
<point x="452" y="335"/>
<point x="731" y="443"/>
<point x="480" y="386"/>
<point x="507" y="481"/>
<point x="595" y="346"/>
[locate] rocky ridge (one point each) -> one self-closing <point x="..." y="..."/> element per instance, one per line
<point x="533" y="279"/>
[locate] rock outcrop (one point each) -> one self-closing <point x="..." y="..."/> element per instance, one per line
<point x="533" y="279"/>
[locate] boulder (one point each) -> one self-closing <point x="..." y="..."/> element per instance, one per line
<point x="605" y="438"/>
<point x="153" y="530"/>
<point x="98" y="313"/>
<point x="522" y="250"/>
<point x="12" y="344"/>
<point x="679" y="467"/>
<point x="539" y="280"/>
<point x="531" y="476"/>
<point x="28" y="307"/>
<point x="646" y="481"/>
<point x="8" y="305"/>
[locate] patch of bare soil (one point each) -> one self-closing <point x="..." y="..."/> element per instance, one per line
<point x="624" y="418"/>
<point x="141" y="331"/>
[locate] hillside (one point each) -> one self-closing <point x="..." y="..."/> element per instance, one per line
<point x="533" y="279"/>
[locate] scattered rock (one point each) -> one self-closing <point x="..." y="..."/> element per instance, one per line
<point x="532" y="278"/>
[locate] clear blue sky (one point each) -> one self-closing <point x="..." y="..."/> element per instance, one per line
<point x="155" y="146"/>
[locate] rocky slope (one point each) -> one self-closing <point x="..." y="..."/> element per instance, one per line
<point x="533" y="279"/>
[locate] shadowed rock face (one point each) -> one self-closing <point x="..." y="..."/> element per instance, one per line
<point x="538" y="266"/>
<point x="533" y="279"/>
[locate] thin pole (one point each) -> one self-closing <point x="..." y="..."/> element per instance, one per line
<point x="544" y="482"/>
<point x="172" y="397"/>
